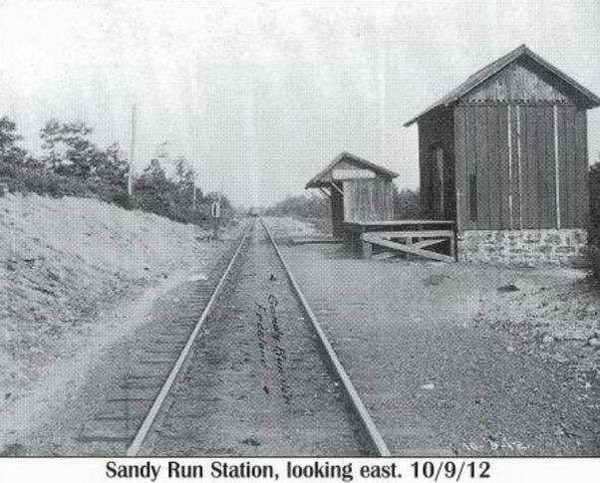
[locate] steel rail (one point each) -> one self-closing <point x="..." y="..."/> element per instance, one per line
<point x="359" y="407"/>
<point x="144" y="429"/>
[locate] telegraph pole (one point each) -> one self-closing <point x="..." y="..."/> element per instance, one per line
<point x="131" y="151"/>
<point x="194" y="198"/>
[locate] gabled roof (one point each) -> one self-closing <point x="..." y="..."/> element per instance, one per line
<point x="324" y="176"/>
<point x="490" y="70"/>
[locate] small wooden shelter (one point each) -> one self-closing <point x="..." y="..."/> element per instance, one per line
<point x="507" y="150"/>
<point x="362" y="212"/>
<point x="358" y="189"/>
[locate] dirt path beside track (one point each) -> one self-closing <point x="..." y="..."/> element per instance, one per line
<point x="48" y="419"/>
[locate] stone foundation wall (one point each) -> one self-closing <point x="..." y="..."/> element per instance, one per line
<point x="565" y="247"/>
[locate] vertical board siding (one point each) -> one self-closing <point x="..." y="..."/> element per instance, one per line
<point x="568" y="156"/>
<point x="498" y="161"/>
<point x="482" y="149"/>
<point x="518" y="82"/>
<point x="528" y="167"/>
<point x="573" y="158"/>
<point x="493" y="168"/>
<point x="368" y="200"/>
<point x="425" y="175"/>
<point x="556" y="167"/>
<point x="503" y="165"/>
<point x="568" y="171"/>
<point x="520" y="151"/>
<point x="546" y="172"/>
<point x="348" y="199"/>
<point x="357" y="201"/>
<point x="482" y="143"/>
<point x="515" y="168"/>
<point x="437" y="131"/>
<point x="482" y="167"/>
<point x="565" y="146"/>
<point x="337" y="212"/>
<point x="582" y="193"/>
<point x="471" y="154"/>
<point x="461" y="175"/>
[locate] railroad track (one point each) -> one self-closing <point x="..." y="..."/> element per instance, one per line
<point x="355" y="400"/>
<point x="256" y="375"/>
<point x="123" y="403"/>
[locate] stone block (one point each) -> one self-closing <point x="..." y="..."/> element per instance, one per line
<point x="579" y="237"/>
<point x="532" y="246"/>
<point x="553" y="239"/>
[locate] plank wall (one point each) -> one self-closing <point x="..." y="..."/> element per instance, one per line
<point x="437" y="130"/>
<point x="510" y="151"/>
<point x="368" y="200"/>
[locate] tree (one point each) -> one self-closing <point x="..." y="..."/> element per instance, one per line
<point x="153" y="189"/>
<point x="304" y="205"/>
<point x="112" y="166"/>
<point x="8" y="134"/>
<point x="155" y="173"/>
<point x="68" y="151"/>
<point x="10" y="153"/>
<point x="184" y="175"/>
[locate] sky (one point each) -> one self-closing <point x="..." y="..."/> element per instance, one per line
<point x="259" y="95"/>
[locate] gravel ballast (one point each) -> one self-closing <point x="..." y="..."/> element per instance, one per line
<point x="432" y="376"/>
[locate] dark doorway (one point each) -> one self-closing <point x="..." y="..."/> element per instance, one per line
<point x="442" y="202"/>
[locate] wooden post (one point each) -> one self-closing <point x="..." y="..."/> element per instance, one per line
<point x="367" y="250"/>
<point x="132" y="152"/>
<point x="519" y="167"/>
<point x="510" y="176"/>
<point x="556" y="168"/>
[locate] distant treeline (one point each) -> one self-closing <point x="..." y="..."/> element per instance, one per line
<point x="308" y="205"/>
<point x="72" y="165"/>
<point x="312" y="205"/>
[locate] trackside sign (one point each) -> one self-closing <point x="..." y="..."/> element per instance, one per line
<point x="340" y="174"/>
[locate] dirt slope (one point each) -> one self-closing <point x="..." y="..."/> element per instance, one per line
<point x="62" y="261"/>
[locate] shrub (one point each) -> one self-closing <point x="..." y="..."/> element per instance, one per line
<point x="74" y="166"/>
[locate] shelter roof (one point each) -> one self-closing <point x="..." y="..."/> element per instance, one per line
<point x="325" y="176"/>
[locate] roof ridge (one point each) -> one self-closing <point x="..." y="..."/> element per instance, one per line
<point x="486" y="72"/>
<point x="345" y="154"/>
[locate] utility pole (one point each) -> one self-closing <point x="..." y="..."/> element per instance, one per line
<point x="194" y="198"/>
<point x="131" y="151"/>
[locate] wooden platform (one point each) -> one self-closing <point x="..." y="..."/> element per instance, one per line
<point x="316" y="239"/>
<point x="391" y="224"/>
<point x="415" y="237"/>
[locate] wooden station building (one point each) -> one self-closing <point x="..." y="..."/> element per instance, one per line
<point x="358" y="189"/>
<point x="362" y="211"/>
<point x="505" y="156"/>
